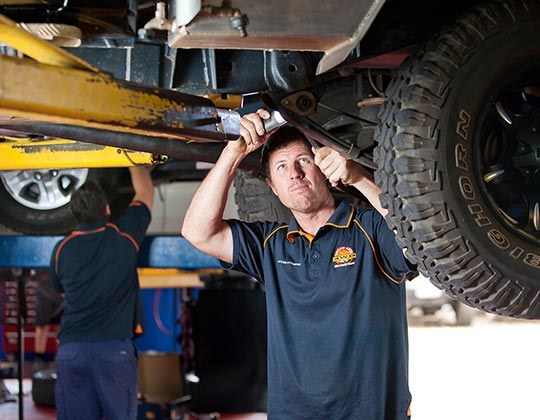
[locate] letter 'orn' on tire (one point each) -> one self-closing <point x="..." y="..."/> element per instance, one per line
<point x="459" y="158"/>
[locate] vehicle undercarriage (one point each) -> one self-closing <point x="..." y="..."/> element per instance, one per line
<point x="440" y="101"/>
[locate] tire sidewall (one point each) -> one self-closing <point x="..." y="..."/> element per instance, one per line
<point x="32" y="221"/>
<point x="474" y="85"/>
<point x="57" y="221"/>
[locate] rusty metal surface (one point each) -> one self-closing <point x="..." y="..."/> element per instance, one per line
<point x="51" y="94"/>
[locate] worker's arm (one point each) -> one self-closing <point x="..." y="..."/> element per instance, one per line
<point x="203" y="224"/>
<point x="142" y="184"/>
<point x="336" y="168"/>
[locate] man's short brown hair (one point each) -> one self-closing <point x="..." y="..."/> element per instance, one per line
<point x="281" y="138"/>
<point x="89" y="204"/>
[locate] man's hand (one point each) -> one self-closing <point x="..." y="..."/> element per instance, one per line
<point x="252" y="133"/>
<point x="338" y="169"/>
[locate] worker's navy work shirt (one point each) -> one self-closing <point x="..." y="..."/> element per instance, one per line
<point x="96" y="267"/>
<point x="337" y="320"/>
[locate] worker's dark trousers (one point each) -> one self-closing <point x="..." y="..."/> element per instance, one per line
<point x="96" y="380"/>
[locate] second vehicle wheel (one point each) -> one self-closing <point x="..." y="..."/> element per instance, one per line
<point x="459" y="159"/>
<point x="36" y="202"/>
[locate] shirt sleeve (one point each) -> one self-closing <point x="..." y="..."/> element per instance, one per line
<point x="248" y="248"/>
<point x="52" y="271"/>
<point x="388" y="250"/>
<point x="135" y="220"/>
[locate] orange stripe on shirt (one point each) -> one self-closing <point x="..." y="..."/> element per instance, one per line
<point x="126" y="235"/>
<point x="375" y="254"/>
<point x="272" y="233"/>
<point x="71" y="236"/>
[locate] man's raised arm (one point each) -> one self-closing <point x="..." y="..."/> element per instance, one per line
<point x="203" y="224"/>
<point x="143" y="185"/>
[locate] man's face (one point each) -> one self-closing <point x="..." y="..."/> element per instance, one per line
<point x="296" y="180"/>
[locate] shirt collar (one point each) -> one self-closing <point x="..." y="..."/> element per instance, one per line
<point x="341" y="218"/>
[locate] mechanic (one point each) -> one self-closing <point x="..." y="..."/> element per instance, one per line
<point x="49" y="308"/>
<point x="96" y="268"/>
<point x="334" y="279"/>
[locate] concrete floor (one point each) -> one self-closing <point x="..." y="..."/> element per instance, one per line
<point x="31" y="411"/>
<point x="10" y="410"/>
<point x="488" y="371"/>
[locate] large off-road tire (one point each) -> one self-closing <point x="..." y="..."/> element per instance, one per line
<point x="36" y="202"/>
<point x="459" y="158"/>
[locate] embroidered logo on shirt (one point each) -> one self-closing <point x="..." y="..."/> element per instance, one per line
<point x="344" y="256"/>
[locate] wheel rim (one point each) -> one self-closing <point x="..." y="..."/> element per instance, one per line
<point x="509" y="157"/>
<point x="43" y="189"/>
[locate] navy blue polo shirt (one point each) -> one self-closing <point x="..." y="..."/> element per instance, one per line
<point x="337" y="323"/>
<point x="96" y="267"/>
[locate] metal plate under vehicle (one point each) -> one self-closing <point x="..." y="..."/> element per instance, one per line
<point x="284" y="25"/>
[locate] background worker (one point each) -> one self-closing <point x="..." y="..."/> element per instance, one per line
<point x="96" y="268"/>
<point x="337" y="323"/>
